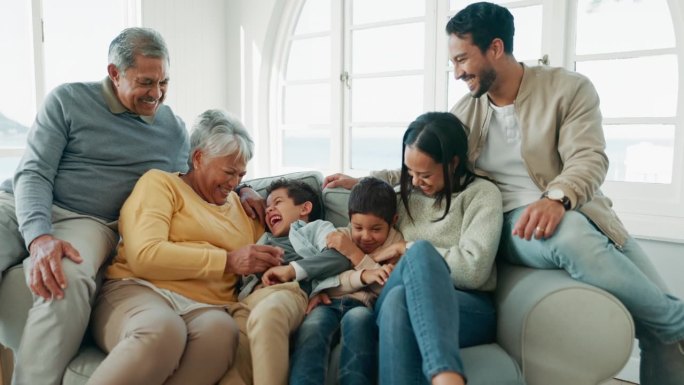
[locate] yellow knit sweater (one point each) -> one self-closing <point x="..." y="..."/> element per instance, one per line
<point x="174" y="239"/>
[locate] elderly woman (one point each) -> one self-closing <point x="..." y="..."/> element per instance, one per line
<point x="165" y="314"/>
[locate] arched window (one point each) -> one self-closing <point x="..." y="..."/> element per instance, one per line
<point x="354" y="73"/>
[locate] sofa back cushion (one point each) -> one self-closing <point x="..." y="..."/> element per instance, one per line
<point x="334" y="200"/>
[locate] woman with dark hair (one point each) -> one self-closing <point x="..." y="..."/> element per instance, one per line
<point x="437" y="300"/>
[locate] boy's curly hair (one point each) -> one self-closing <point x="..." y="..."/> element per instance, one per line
<point x="300" y="192"/>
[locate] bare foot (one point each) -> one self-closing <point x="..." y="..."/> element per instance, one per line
<point x="448" y="378"/>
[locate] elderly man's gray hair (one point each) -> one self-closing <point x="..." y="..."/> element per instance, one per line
<point x="219" y="133"/>
<point x="136" y="41"/>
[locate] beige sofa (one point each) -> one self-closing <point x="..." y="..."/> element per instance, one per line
<point x="551" y="328"/>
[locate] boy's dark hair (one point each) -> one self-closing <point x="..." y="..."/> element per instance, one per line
<point x="484" y="22"/>
<point x="373" y="196"/>
<point x="300" y="192"/>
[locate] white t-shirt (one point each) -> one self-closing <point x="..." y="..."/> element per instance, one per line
<point x="501" y="158"/>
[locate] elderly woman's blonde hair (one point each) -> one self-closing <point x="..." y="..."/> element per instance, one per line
<point x="219" y="133"/>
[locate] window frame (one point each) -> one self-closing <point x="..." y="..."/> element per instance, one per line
<point x="38" y="59"/>
<point x="661" y="219"/>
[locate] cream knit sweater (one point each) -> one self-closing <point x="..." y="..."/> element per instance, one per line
<point x="467" y="238"/>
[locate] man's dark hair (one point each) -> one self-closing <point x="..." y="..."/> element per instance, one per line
<point x="484" y="22"/>
<point x="300" y="192"/>
<point x="373" y="196"/>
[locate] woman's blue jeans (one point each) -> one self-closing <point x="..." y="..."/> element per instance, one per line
<point x="424" y="321"/>
<point x="355" y="324"/>
<point x="589" y="256"/>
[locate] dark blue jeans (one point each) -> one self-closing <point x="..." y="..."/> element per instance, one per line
<point x="423" y="321"/>
<point x="315" y="337"/>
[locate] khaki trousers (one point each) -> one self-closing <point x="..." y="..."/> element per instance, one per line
<point x="149" y="343"/>
<point x="54" y="328"/>
<point x="276" y="312"/>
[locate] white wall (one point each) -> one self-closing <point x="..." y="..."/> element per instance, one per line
<point x="252" y="27"/>
<point x="197" y="35"/>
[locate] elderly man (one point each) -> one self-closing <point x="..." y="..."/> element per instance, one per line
<point x="89" y="144"/>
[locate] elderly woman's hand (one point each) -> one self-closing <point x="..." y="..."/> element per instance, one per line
<point x="253" y="259"/>
<point x="254" y="204"/>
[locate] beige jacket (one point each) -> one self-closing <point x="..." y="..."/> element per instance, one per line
<point x="562" y="140"/>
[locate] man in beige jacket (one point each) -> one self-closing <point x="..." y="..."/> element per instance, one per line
<point x="537" y="132"/>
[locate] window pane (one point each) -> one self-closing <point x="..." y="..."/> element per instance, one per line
<point x="315" y="17"/>
<point x="528" y="32"/>
<point x="7" y="166"/>
<point x="365" y="11"/>
<point x="618" y="26"/>
<point x="456" y="89"/>
<point x="309" y="59"/>
<point x="17" y="99"/>
<point x="374" y="148"/>
<point x="624" y="90"/>
<point x="309" y="103"/>
<point x="77" y="37"/>
<point x="394" y="48"/>
<point x="388" y="99"/>
<point x="640" y="153"/>
<point x="527" y="40"/>
<point x="306" y="148"/>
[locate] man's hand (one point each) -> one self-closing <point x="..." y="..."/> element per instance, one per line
<point x="46" y="277"/>
<point x="317" y="300"/>
<point x="379" y="275"/>
<point x="342" y="243"/>
<point x="339" y="180"/>
<point x="540" y="219"/>
<point x="278" y="274"/>
<point x="391" y="253"/>
<point x="254" y="204"/>
<point x="253" y="259"/>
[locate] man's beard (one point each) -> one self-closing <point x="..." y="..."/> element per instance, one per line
<point x="487" y="78"/>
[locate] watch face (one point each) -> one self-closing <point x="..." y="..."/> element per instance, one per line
<point x="556" y="194"/>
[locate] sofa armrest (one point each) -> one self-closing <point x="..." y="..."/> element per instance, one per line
<point x="559" y="330"/>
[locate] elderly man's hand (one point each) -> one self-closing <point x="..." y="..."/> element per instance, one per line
<point x="339" y="180"/>
<point x="253" y="259"/>
<point x="254" y="204"/>
<point x="47" y="277"/>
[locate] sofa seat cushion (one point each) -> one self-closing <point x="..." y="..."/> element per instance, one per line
<point x="484" y="365"/>
<point x="83" y="365"/>
<point x="490" y="365"/>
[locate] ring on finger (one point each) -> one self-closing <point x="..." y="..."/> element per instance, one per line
<point x="540" y="229"/>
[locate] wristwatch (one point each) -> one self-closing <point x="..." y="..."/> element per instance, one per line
<point x="556" y="194"/>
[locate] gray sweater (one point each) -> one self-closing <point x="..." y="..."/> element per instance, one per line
<point x="85" y="152"/>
